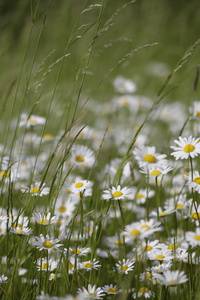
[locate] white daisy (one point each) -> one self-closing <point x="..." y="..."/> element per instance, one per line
<point x="89" y="265"/>
<point x="147" y="157"/>
<point x="143" y="292"/>
<point x="156" y="171"/>
<point x="186" y="148"/>
<point x="172" y="278"/>
<point x="82" y="156"/>
<point x="46" y="243"/>
<point x="79" y="186"/>
<point x="43" y="219"/>
<point x="45" y="264"/>
<point x="193" y="181"/>
<point x="21" y="230"/>
<point x="78" y="251"/>
<point x="91" y="292"/>
<point x="124" y="85"/>
<point x="36" y="190"/>
<point x="111" y="289"/>
<point x="125" y="266"/>
<point x="116" y="193"/>
<point x="193" y="237"/>
<point x="31" y="120"/>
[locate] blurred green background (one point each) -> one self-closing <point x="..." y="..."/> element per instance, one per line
<point x="173" y="24"/>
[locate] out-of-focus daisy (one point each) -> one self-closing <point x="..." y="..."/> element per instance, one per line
<point x="79" y="251"/>
<point x="196" y="109"/>
<point x="46" y="243"/>
<point x="192" y="211"/>
<point x="160" y="255"/>
<point x="160" y="268"/>
<point x="64" y="207"/>
<point x="142" y="195"/>
<point x="193" y="237"/>
<point x="54" y="276"/>
<point x="143" y="292"/>
<point x="148" y="246"/>
<point x="162" y="212"/>
<point x="172" y="278"/>
<point x="147" y="157"/>
<point x="111" y="289"/>
<point x="125" y="266"/>
<point x="89" y="265"/>
<point x="43" y="219"/>
<point x="79" y="186"/>
<point x="91" y="292"/>
<point x="3" y="279"/>
<point x="186" y="148"/>
<point x="124" y="85"/>
<point x="21" y="230"/>
<point x="82" y="156"/>
<point x="36" y="190"/>
<point x="116" y="193"/>
<point x="31" y="120"/>
<point x="156" y="171"/>
<point x="46" y="264"/>
<point x="193" y="181"/>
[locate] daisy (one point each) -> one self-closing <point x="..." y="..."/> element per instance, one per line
<point x="193" y="237"/>
<point x="78" y="251"/>
<point x="79" y="186"/>
<point x="160" y="255"/>
<point x="46" y="243"/>
<point x="193" y="181"/>
<point x="192" y="210"/>
<point x="147" y="157"/>
<point x="116" y="193"/>
<point x="143" y="292"/>
<point x="54" y="276"/>
<point x="160" y="268"/>
<point x="89" y="265"/>
<point x="46" y="264"/>
<point x="36" y="190"/>
<point x="156" y="171"/>
<point x="91" y="293"/>
<point x="172" y="278"/>
<point x="64" y="207"/>
<point x="3" y="279"/>
<point x="82" y="156"/>
<point x="124" y="85"/>
<point x="124" y="266"/>
<point x="186" y="148"/>
<point x="31" y="120"/>
<point x="21" y="230"/>
<point x="43" y="219"/>
<point x="148" y="246"/>
<point x="111" y="290"/>
<point x="142" y="195"/>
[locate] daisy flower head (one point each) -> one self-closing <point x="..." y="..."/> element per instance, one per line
<point x="79" y="251"/>
<point x="193" y="237"/>
<point x="124" y="266"/>
<point x="147" y="157"/>
<point x="31" y="120"/>
<point x="46" y="243"/>
<point x="159" y="170"/>
<point x="193" y="181"/>
<point x="43" y="219"/>
<point x="82" y="156"/>
<point x="143" y="292"/>
<point x="161" y="255"/>
<point x="89" y="265"/>
<point x="21" y="230"/>
<point x="36" y="189"/>
<point x="192" y="211"/>
<point x="46" y="264"/>
<point x="172" y="278"/>
<point x="116" y="193"/>
<point x="186" y="148"/>
<point x="124" y="85"/>
<point x="91" y="292"/>
<point x="79" y="186"/>
<point x="111" y="290"/>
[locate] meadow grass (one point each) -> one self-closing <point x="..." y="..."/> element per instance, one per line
<point x="99" y="157"/>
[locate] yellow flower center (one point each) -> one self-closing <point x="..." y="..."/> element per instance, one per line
<point x="47" y="136"/>
<point x="197" y="180"/>
<point x="196" y="216"/>
<point x="111" y="290"/>
<point x="5" y="174"/>
<point x="62" y="209"/>
<point x="135" y="232"/>
<point x="53" y="276"/>
<point x="198" y="114"/>
<point x="58" y="223"/>
<point x="170" y="247"/>
<point x="20" y="231"/>
<point x="44" y="221"/>
<point x="118" y="241"/>
<point x="179" y="206"/>
<point x="78" y="185"/>
<point x="35" y="191"/>
<point x="147" y="248"/>
<point x="17" y="225"/>
<point x="124" y="267"/>
<point x="160" y="256"/>
<point x="188" y="148"/>
<point x="143" y="290"/>
<point x="88" y="229"/>
<point x="117" y="194"/>
<point x="32" y="121"/>
<point x="70" y="266"/>
<point x="68" y="191"/>
<point x="90" y="294"/>
<point x="47" y="244"/>
<point x="79" y="159"/>
<point x="87" y="265"/>
<point x="139" y="196"/>
<point x="44" y="266"/>
<point x="150" y="158"/>
<point x="155" y="173"/>
<point x="197" y="237"/>
<point x="171" y="282"/>
<point x="162" y="213"/>
<point x="149" y="276"/>
<point x="147" y="227"/>
<point x="74" y="251"/>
